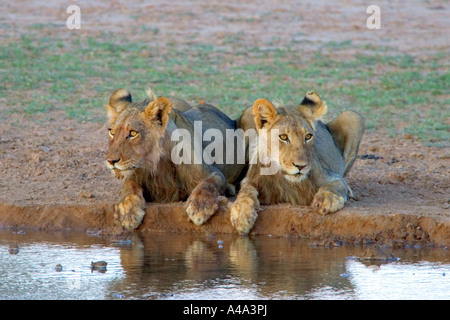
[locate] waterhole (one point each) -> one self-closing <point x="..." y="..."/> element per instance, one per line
<point x="58" y="265"/>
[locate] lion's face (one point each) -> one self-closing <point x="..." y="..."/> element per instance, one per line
<point x="295" y="138"/>
<point x="135" y="135"/>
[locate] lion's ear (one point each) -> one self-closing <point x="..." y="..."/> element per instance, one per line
<point x="312" y="106"/>
<point x="264" y="112"/>
<point x="118" y="101"/>
<point x="159" y="110"/>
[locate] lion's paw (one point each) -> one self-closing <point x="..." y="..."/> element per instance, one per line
<point x="203" y="203"/>
<point x="327" y="202"/>
<point x="243" y="215"/>
<point x="130" y="212"/>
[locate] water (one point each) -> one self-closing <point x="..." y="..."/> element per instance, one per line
<point x="171" y="266"/>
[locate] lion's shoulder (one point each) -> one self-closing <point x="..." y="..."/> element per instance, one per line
<point x="210" y="116"/>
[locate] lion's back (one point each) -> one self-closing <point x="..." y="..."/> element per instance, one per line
<point x="328" y="153"/>
<point x="211" y="117"/>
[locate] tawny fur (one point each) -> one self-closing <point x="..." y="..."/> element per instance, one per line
<point x="311" y="170"/>
<point x="139" y="153"/>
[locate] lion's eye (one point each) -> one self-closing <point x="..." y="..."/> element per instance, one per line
<point x="308" y="136"/>
<point x="133" y="134"/>
<point x="111" y="132"/>
<point x="284" y="137"/>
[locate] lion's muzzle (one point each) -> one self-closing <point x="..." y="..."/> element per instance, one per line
<point x="112" y="161"/>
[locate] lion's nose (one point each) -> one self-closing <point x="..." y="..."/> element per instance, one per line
<point x="113" y="161"/>
<point x="299" y="166"/>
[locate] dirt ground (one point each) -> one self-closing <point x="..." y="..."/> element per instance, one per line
<point x="53" y="174"/>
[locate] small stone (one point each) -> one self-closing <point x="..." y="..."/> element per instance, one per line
<point x="13" y="249"/>
<point x="36" y="157"/>
<point x="44" y="148"/>
<point x="408" y="136"/>
<point x="85" y="195"/>
<point x="99" y="265"/>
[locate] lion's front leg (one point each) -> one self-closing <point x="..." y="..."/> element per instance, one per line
<point x="205" y="199"/>
<point x="130" y="211"/>
<point x="244" y="209"/>
<point x="331" y="197"/>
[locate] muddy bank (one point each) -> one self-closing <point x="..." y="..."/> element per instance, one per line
<point x="53" y="175"/>
<point x="349" y="225"/>
<point x="401" y="188"/>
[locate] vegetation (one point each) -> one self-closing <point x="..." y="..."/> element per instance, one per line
<point x="44" y="75"/>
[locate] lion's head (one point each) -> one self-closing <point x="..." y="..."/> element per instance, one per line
<point x="136" y="132"/>
<point x="294" y="136"/>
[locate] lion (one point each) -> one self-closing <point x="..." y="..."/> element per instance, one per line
<point x="139" y="153"/>
<point x="311" y="163"/>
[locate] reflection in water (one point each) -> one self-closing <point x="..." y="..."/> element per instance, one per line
<point x="34" y="273"/>
<point x="172" y="266"/>
<point x="423" y="279"/>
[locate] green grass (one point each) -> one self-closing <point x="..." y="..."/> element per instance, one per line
<point x="391" y="90"/>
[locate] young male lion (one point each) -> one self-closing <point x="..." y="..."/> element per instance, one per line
<point x="139" y="152"/>
<point x="311" y="162"/>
